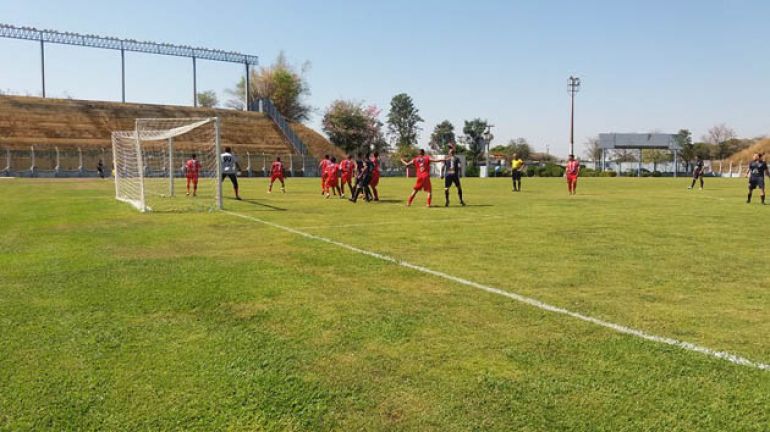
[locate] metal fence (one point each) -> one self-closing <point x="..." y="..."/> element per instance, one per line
<point x="267" y="107"/>
<point x="45" y="161"/>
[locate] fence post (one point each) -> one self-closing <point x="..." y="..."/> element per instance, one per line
<point x="7" y="162"/>
<point x="32" y="162"/>
<point x="248" y="164"/>
<point x="58" y="163"/>
<point x="80" y="161"/>
<point x="291" y="165"/>
<point x="264" y="165"/>
<point x="740" y="168"/>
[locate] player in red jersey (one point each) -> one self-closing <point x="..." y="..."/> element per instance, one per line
<point x="332" y="178"/>
<point x="421" y="163"/>
<point x="322" y="169"/>
<point x="347" y="166"/>
<point x="571" y="173"/>
<point x="375" y="175"/>
<point x="276" y="173"/>
<point x="192" y="169"/>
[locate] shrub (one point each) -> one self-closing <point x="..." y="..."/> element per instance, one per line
<point x="471" y="171"/>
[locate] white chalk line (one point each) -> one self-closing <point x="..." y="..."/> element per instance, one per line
<point x="722" y="355"/>
<point x="396" y="223"/>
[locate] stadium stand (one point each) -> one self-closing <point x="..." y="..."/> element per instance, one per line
<point x="85" y="127"/>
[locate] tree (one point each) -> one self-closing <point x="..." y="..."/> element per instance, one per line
<point x="353" y="127"/>
<point x="474" y="139"/>
<point x="208" y="99"/>
<point x="403" y="122"/>
<point x="683" y="139"/>
<point x="281" y="83"/>
<point x="719" y="137"/>
<point x="443" y="137"/>
<point x="518" y="146"/>
<point x="593" y="150"/>
<point x="624" y="155"/>
<point x="655" y="156"/>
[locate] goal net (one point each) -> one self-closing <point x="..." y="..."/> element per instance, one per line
<point x="150" y="164"/>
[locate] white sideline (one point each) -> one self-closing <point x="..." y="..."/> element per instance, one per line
<point x="722" y="355"/>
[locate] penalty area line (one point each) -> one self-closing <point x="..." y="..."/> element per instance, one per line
<point x="721" y="355"/>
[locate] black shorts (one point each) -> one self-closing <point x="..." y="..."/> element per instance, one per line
<point x="516" y="175"/>
<point x="452" y="179"/>
<point x="233" y="178"/>
<point x="697" y="174"/>
<point x="363" y="181"/>
<point x="756" y="182"/>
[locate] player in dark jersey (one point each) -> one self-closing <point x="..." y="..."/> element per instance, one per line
<point x="757" y="172"/>
<point x="100" y="168"/>
<point x="364" y="169"/>
<point x="451" y="174"/>
<point x="697" y="173"/>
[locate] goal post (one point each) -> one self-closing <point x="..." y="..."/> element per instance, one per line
<point x="150" y="164"/>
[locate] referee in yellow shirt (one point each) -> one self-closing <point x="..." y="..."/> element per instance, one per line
<point x="517" y="169"/>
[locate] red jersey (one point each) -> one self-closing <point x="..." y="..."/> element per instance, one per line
<point x="573" y="167"/>
<point x="376" y="165"/>
<point x="422" y="165"/>
<point x="346" y="166"/>
<point x="277" y="168"/>
<point x="331" y="170"/>
<point x="192" y="167"/>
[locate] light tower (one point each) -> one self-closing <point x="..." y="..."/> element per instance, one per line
<point x="574" y="87"/>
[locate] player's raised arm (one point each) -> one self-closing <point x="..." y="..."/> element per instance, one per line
<point x="411" y="162"/>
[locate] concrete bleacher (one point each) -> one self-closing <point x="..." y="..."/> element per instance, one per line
<point x="81" y="130"/>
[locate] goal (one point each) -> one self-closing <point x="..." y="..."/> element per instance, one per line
<point x="149" y="164"/>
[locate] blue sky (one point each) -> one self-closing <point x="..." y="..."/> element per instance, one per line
<point x="645" y="65"/>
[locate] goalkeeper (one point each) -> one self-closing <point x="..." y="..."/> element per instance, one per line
<point x="230" y="169"/>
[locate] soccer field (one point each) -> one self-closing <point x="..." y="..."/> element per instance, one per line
<point x="291" y="312"/>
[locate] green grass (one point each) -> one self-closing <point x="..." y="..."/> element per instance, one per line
<point x="115" y="320"/>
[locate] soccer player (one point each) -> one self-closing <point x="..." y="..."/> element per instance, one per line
<point x="571" y="173"/>
<point x="192" y="169"/>
<point x="375" y="175"/>
<point x="517" y="168"/>
<point x="421" y="163"/>
<point x="322" y="169"/>
<point x="332" y="180"/>
<point x="347" y="166"/>
<point x="230" y="169"/>
<point x="756" y="174"/>
<point x="697" y="173"/>
<point x="364" y="168"/>
<point x="276" y="173"/>
<point x="100" y="168"/>
<point x="451" y="174"/>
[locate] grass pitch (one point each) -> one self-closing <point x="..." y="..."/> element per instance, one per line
<point x="115" y="320"/>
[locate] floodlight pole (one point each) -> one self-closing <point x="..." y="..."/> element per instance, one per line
<point x="248" y="85"/>
<point x="42" y="63"/>
<point x="123" y="72"/>
<point x="195" y="83"/>
<point x="574" y="87"/>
